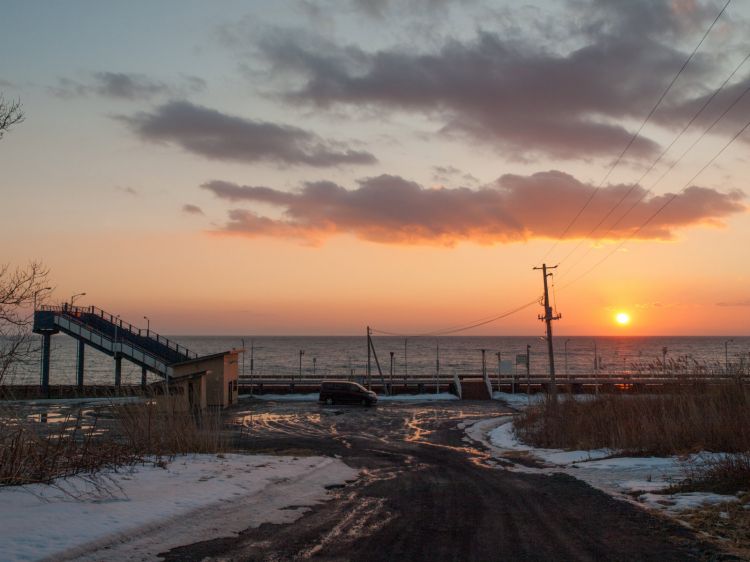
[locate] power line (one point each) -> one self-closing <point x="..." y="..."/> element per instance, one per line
<point x="464" y="327"/>
<point x="637" y="133"/>
<point x="670" y="168"/>
<point x="663" y="153"/>
<point x="660" y="209"/>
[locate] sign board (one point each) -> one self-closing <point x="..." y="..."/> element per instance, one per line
<point x="506" y="366"/>
<point x="522" y="359"/>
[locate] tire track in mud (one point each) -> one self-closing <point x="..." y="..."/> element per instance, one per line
<point x="425" y="494"/>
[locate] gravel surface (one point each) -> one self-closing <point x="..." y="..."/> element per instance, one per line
<point x="423" y="494"/>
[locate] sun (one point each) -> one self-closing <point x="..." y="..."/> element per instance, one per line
<point x="622" y="318"/>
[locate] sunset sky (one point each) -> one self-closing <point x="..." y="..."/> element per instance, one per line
<point x="312" y="167"/>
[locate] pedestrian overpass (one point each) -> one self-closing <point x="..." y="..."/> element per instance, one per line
<point x="105" y="332"/>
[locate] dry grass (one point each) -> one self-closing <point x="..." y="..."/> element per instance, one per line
<point x="31" y="454"/>
<point x="727" y="474"/>
<point x="159" y="427"/>
<point x="688" y="419"/>
<point x="140" y="432"/>
<point x="727" y="522"/>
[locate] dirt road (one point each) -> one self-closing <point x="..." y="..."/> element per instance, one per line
<point x="426" y="495"/>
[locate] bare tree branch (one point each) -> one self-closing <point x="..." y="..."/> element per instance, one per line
<point x="20" y="289"/>
<point x="10" y="114"/>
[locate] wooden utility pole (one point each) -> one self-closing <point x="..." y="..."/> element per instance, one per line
<point x="548" y="317"/>
<point x="369" y="360"/>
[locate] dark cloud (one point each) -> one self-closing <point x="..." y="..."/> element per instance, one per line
<point x="127" y="190"/>
<point x="518" y="99"/>
<point x="390" y="209"/>
<point x="378" y="9"/>
<point x="219" y="136"/>
<point x="511" y="92"/>
<point x="447" y="174"/>
<point x="189" y="209"/>
<point x="646" y="17"/>
<point x="127" y="86"/>
<point x="734" y="303"/>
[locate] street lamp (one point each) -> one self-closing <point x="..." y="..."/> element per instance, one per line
<point x="301" y="353"/>
<point x="148" y="324"/>
<point x="726" y="355"/>
<point x="39" y="291"/>
<point x="74" y="297"/>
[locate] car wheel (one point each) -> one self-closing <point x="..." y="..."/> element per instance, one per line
<point x="329" y="401"/>
<point x="364" y="402"/>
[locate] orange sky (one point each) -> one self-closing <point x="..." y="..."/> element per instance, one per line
<point x="219" y="185"/>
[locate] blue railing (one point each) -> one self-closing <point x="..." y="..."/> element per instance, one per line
<point x="148" y="339"/>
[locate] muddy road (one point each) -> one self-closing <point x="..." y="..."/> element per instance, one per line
<point x="425" y="494"/>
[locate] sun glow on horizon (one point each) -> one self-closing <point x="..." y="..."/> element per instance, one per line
<point x="622" y="318"/>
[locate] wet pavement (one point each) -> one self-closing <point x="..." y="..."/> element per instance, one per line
<point x="425" y="494"/>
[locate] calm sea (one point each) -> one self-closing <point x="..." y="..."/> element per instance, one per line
<point x="335" y="356"/>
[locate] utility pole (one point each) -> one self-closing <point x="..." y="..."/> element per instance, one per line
<point x="369" y="355"/>
<point x="548" y="318"/>
<point x="437" y="367"/>
<point x="391" y="371"/>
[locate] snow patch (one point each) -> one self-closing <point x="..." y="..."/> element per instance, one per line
<point x="138" y="512"/>
<point x="503" y="437"/>
<point x="674" y="503"/>
<point x="418" y="397"/>
<point x="311" y="397"/>
<point x="616" y="476"/>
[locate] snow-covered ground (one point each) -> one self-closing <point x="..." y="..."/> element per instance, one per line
<point x="311" y="397"/>
<point x="618" y="476"/>
<point x="135" y="513"/>
<point x="426" y="396"/>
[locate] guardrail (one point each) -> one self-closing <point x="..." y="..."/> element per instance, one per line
<point x="79" y="311"/>
<point x="281" y="378"/>
<point x="104" y="341"/>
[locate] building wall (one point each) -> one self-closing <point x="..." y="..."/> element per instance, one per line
<point x="220" y="371"/>
<point x="231" y="378"/>
<point x="179" y="395"/>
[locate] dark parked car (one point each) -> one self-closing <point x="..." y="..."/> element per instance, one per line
<point x="345" y="392"/>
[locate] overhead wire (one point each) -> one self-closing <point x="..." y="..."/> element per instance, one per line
<point x="695" y="116"/>
<point x="660" y="209"/>
<point x="669" y="169"/>
<point x="636" y="134"/>
<point x="461" y="327"/>
<point x="488" y="320"/>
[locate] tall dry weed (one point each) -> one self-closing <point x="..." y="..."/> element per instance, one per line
<point x="687" y="419"/>
<point x="132" y="433"/>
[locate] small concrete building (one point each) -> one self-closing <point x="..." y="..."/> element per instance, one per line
<point x="209" y="381"/>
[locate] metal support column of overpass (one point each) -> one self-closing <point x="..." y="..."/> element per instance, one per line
<point x="46" y="342"/>
<point x="79" y="364"/>
<point x="118" y="370"/>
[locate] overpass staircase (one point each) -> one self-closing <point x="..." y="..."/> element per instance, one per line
<point x="108" y="334"/>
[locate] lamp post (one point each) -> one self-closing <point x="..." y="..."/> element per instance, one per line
<point x="74" y="297"/>
<point x="315" y="361"/>
<point x="148" y="325"/>
<point x="726" y="355"/>
<point x="301" y="353"/>
<point x="39" y="291"/>
<point x="566" y="358"/>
